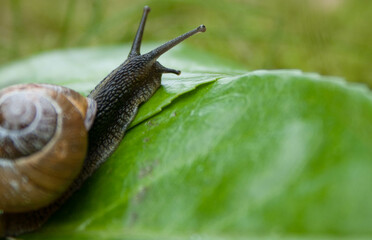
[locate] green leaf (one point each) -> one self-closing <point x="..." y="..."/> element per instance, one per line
<point x="219" y="153"/>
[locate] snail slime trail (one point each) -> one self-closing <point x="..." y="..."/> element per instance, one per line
<point x="40" y="143"/>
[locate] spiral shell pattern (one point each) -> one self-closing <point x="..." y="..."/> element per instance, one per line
<point x="43" y="143"/>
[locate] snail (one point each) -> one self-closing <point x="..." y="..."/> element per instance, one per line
<point x="73" y="134"/>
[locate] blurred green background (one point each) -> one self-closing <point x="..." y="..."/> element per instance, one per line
<point x="331" y="37"/>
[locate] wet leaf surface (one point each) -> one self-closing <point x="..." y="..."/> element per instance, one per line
<point x="219" y="153"/>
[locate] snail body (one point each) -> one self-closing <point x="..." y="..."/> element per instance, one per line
<point x="35" y="181"/>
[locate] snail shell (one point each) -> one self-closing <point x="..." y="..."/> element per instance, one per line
<point x="43" y="143"/>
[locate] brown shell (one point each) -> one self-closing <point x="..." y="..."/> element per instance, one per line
<point x="29" y="182"/>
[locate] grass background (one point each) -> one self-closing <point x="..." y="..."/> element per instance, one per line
<point x="331" y="37"/>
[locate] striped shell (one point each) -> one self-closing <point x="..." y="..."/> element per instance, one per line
<point x="43" y="143"/>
